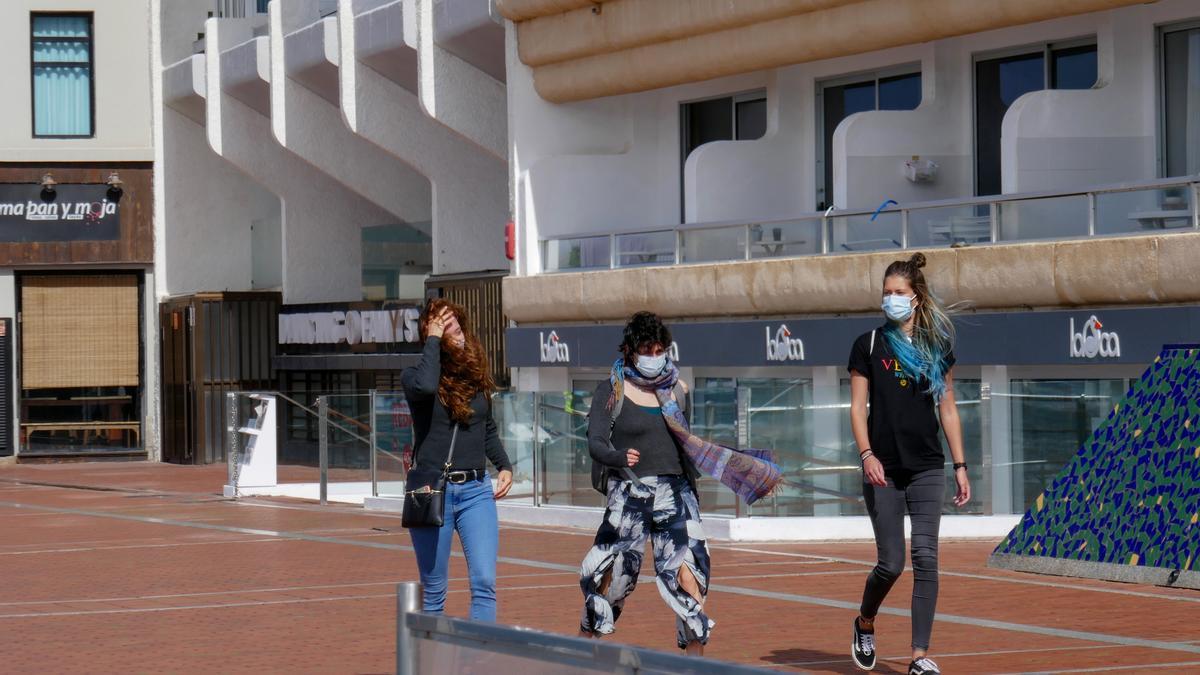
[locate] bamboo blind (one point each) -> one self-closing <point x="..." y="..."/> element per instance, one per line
<point x="79" y="331"/>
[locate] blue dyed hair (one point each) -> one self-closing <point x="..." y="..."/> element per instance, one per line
<point x="933" y="331"/>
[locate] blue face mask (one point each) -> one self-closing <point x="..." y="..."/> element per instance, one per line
<point x="897" y="307"/>
<point x="651" y="366"/>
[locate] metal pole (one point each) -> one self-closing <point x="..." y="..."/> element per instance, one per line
<point x="374" y="445"/>
<point x="408" y="601"/>
<point x="825" y="225"/>
<point x="1091" y="204"/>
<point x="743" y="432"/>
<point x="539" y="457"/>
<point x="323" y="445"/>
<point x="1196" y="205"/>
<point x="994" y="220"/>
<point x="231" y="432"/>
<point x="904" y="229"/>
<point x="746" y="231"/>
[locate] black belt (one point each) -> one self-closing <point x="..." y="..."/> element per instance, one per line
<point x="464" y="476"/>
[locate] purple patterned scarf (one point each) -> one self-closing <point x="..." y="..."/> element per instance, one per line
<point x="751" y="473"/>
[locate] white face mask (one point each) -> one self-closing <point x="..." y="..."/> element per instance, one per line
<point x="651" y="366"/>
<point x="897" y="307"/>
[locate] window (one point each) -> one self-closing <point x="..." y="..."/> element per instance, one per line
<point x="840" y="99"/>
<point x="1181" y="101"/>
<point x="1002" y="80"/>
<point x="62" y="75"/>
<point x="730" y="118"/>
<point x="1049" y="420"/>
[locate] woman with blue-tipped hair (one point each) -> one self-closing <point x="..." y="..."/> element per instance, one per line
<point x="905" y="369"/>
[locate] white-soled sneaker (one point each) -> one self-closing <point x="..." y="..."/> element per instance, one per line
<point x="923" y="666"/>
<point x="863" y="648"/>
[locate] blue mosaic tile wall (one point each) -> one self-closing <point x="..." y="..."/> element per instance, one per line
<point x="1131" y="494"/>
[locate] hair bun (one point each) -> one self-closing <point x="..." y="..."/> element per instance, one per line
<point x="917" y="260"/>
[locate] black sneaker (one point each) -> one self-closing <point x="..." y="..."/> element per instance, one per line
<point x="863" y="649"/>
<point x="923" y="666"/>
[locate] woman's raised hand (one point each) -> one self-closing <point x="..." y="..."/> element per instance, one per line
<point x="437" y="324"/>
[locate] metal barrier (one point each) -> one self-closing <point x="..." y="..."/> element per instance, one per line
<point x="427" y="643"/>
<point x="1143" y="207"/>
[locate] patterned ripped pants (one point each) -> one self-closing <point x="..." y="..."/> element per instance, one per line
<point x="665" y="509"/>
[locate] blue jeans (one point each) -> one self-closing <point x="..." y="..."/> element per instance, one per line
<point x="471" y="510"/>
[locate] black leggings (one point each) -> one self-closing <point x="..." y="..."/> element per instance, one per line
<point x="921" y="495"/>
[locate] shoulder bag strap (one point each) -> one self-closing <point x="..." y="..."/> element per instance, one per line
<point x="450" y="455"/>
<point x="872" y="349"/>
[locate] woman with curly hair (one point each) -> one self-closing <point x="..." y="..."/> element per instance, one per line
<point x="905" y="370"/>
<point x="449" y="393"/>
<point x="638" y="435"/>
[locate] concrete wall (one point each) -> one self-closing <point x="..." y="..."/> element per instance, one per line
<point x="1068" y="139"/>
<point x="121" y="70"/>
<point x="1127" y="270"/>
<point x="209" y="208"/>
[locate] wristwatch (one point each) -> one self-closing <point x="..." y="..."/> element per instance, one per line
<point x="960" y="465"/>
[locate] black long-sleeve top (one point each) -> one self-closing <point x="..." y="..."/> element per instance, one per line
<point x="478" y="441"/>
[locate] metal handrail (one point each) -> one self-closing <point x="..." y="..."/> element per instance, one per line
<point x="414" y="627"/>
<point x="993" y="202"/>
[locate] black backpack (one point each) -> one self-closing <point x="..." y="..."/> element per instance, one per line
<point x="601" y="472"/>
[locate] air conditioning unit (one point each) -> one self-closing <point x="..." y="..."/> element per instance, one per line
<point x="920" y="170"/>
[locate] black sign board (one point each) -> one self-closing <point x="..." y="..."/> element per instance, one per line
<point x="349" y="328"/>
<point x="1085" y="336"/>
<point x="68" y="213"/>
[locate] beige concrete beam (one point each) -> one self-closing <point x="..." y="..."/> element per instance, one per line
<point x="843" y="30"/>
<point x="521" y="10"/>
<point x="1110" y="271"/>
<point x="623" y="24"/>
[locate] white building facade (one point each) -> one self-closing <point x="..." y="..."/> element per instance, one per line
<point x="749" y="171"/>
<point x="78" y="359"/>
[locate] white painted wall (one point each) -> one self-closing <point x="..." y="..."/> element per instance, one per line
<point x="612" y="164"/>
<point x="1059" y="140"/>
<point x="469" y="190"/>
<point x="321" y="238"/>
<point x="208" y="210"/>
<point x="121" y="44"/>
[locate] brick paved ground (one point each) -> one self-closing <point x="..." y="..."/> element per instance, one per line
<point x="89" y="585"/>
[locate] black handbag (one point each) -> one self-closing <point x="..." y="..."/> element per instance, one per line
<point x="425" y="492"/>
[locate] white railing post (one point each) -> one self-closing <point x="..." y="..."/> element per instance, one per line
<point x="904" y="228"/>
<point x="612" y="251"/>
<point x="1091" y="197"/>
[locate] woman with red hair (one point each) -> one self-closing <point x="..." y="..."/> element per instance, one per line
<point x="449" y="393"/>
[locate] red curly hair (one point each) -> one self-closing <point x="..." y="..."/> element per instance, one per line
<point x="465" y="369"/>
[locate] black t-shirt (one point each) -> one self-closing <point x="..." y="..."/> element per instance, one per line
<point x="902" y="422"/>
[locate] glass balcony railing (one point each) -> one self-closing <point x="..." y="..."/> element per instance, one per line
<point x="1150" y="207"/>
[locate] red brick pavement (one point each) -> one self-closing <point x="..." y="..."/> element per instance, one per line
<point x="104" y="591"/>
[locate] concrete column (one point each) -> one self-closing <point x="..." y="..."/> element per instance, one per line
<point x="827" y="442"/>
<point x="1003" y="470"/>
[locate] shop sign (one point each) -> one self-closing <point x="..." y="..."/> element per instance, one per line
<point x="999" y="338"/>
<point x="1092" y="341"/>
<point x="553" y="350"/>
<point x="349" y="327"/>
<point x="68" y="213"/>
<point x="782" y="346"/>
